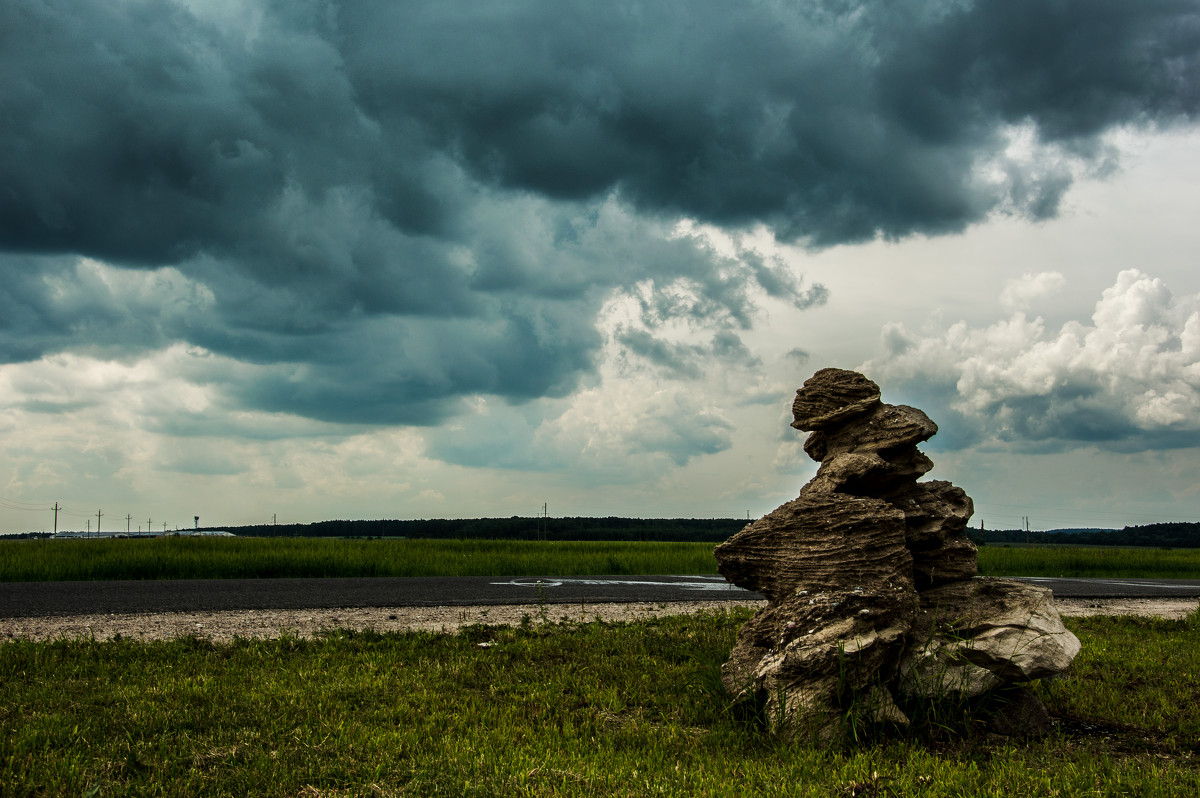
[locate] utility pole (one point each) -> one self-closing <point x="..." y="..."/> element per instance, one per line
<point x="149" y="529"/>
<point x="98" y="514"/>
<point x="128" y="518"/>
<point x="56" y="519"/>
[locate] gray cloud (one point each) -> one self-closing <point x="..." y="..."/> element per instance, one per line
<point x="384" y="207"/>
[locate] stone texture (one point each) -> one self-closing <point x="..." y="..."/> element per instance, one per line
<point x="815" y="650"/>
<point x="869" y="582"/>
<point x="827" y="542"/>
<point x="1017" y="712"/>
<point x="1008" y="627"/>
<point x="934" y="512"/>
<point x="867" y="473"/>
<point x="884" y="427"/>
<point x="832" y="396"/>
<point x="954" y="560"/>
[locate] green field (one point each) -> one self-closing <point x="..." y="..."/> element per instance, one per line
<point x="229" y="558"/>
<point x="556" y="709"/>
<point x="224" y="558"/>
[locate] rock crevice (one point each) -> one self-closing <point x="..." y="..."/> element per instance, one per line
<point x="870" y="580"/>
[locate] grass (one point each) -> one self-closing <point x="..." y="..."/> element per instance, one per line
<point x="230" y="558"/>
<point x="1082" y="561"/>
<point x="568" y="709"/>
<point x="223" y="558"/>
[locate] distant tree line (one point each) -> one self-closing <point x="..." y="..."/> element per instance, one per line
<point x="1181" y="535"/>
<point x="703" y="530"/>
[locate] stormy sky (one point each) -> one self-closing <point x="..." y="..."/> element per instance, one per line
<point x="397" y="260"/>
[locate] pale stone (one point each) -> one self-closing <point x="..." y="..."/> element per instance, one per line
<point x="935" y="671"/>
<point x="1007" y="627"/>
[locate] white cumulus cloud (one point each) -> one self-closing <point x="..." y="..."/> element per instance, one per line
<point x="1020" y="293"/>
<point x="1129" y="379"/>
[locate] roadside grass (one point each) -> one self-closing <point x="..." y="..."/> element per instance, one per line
<point x="226" y="558"/>
<point x="550" y="709"/>
<point x="1089" y="561"/>
<point x="233" y="558"/>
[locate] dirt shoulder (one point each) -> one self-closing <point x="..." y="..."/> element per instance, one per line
<point x="224" y="626"/>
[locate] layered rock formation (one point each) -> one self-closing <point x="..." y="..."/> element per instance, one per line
<point x="869" y="579"/>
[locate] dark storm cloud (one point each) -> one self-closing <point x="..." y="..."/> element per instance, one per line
<point x="386" y="206"/>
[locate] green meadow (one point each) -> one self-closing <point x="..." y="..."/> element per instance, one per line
<point x="570" y="709"/>
<point x="226" y="558"/>
<point x="544" y="709"/>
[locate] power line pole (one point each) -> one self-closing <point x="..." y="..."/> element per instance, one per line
<point x="56" y="519"/>
<point x="128" y="518"/>
<point x="98" y="514"/>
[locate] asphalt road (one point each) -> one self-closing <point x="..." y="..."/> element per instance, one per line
<point x="39" y="599"/>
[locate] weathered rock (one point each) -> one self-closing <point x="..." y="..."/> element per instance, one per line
<point x="934" y="512"/>
<point x="956" y="559"/>
<point x="937" y="672"/>
<point x="1017" y="712"/>
<point x="884" y="427"/>
<point x="807" y="620"/>
<point x="830" y="649"/>
<point x="824" y="542"/>
<point x="832" y="396"/>
<point x="1007" y="627"/>
<point x="868" y="579"/>
<point x="867" y="473"/>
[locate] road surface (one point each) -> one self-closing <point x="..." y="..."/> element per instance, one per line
<point x="40" y="599"/>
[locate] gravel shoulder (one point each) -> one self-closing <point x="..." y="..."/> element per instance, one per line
<point x="224" y="626"/>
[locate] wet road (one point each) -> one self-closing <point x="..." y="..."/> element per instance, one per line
<point x="36" y="599"/>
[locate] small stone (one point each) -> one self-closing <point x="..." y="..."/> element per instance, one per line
<point x="1019" y="713"/>
<point x="832" y="396"/>
<point x="884" y="427"/>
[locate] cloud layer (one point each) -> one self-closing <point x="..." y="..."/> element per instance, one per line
<point x="369" y="212"/>
<point x="1128" y="381"/>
